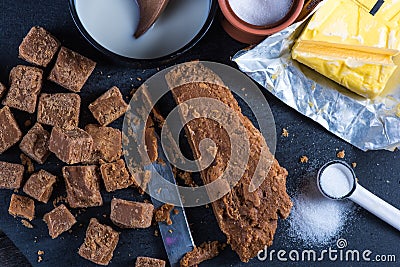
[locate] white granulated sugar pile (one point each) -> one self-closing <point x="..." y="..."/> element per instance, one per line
<point x="261" y="12"/>
<point x="317" y="220"/>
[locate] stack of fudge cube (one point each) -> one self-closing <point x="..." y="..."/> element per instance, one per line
<point x="95" y="151"/>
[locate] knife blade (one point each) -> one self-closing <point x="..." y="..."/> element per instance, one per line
<point x="177" y="237"/>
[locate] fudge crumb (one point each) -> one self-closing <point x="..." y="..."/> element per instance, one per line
<point x="354" y="164"/>
<point x="162" y="214"/>
<point x="285" y="132"/>
<point x="40" y="259"/>
<point x="303" y="159"/>
<point x="27" y="162"/>
<point x="26" y="224"/>
<point x="40" y="252"/>
<point x="156" y="233"/>
<point x="170" y="231"/>
<point x="205" y="251"/>
<point x="340" y="154"/>
<point x="27" y="123"/>
<point x="186" y="177"/>
<point x="176" y="212"/>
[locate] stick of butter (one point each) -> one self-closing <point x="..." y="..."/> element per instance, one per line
<point x="347" y="44"/>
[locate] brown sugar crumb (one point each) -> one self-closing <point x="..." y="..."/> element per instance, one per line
<point x="303" y="159"/>
<point x="109" y="106"/>
<point x="38" y="47"/>
<point x="340" y="154"/>
<point x="115" y="175"/>
<point x="40" y="252"/>
<point x="11" y="175"/>
<point x="71" y="70"/>
<point x="285" y="132"/>
<point x="149" y="262"/>
<point x="176" y="212"/>
<point x="58" y="200"/>
<point x="26" y="224"/>
<point x="27" y="162"/>
<point x="205" y="251"/>
<point x="354" y="164"/>
<point x="163" y="214"/>
<point x="22" y="207"/>
<point x="100" y="243"/>
<point x="35" y="143"/>
<point x="60" y="110"/>
<point x="25" y="86"/>
<point x="10" y="133"/>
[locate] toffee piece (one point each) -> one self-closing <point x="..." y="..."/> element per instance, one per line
<point x="22" y="207"/>
<point x="71" y="70"/>
<point x="83" y="188"/>
<point x="108" y="107"/>
<point x="3" y="90"/>
<point x="128" y="214"/>
<point x="61" y="110"/>
<point x="25" y="86"/>
<point x="10" y="133"/>
<point x="116" y="176"/>
<point x="40" y="186"/>
<point x="59" y="220"/>
<point x="11" y="175"/>
<point x="38" y="47"/>
<point x="35" y="143"/>
<point x="100" y="243"/>
<point x="205" y="251"/>
<point x="149" y="262"/>
<point x="71" y="145"/>
<point x="107" y="143"/>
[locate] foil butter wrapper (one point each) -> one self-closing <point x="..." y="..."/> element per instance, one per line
<point x="364" y="123"/>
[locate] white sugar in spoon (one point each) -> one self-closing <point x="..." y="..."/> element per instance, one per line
<point x="337" y="180"/>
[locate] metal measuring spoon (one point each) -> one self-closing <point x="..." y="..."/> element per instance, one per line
<point x="337" y="180"/>
<point x="150" y="10"/>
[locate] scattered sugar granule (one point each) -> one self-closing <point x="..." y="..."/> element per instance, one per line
<point x="315" y="219"/>
<point x="261" y="12"/>
<point x="340" y="154"/>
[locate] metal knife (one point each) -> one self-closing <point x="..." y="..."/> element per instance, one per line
<point x="177" y="237"/>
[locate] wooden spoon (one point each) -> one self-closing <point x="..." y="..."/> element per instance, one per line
<point x="150" y="10"/>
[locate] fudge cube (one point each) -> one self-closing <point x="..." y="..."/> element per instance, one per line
<point x="71" y="70"/>
<point x="38" y="47"/>
<point x="71" y="145"/>
<point x="35" y="143"/>
<point x="10" y="133"/>
<point x="22" y="207"/>
<point x="107" y="143"/>
<point x="116" y="176"/>
<point x="128" y="214"/>
<point x="83" y="188"/>
<point x="59" y="220"/>
<point x="11" y="175"/>
<point x="40" y="186"/>
<point x="108" y="107"/>
<point x="3" y="90"/>
<point x="25" y="86"/>
<point x="149" y="262"/>
<point x="61" y="110"/>
<point x="100" y="243"/>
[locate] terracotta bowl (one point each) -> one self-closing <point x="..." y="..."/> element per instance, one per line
<point x="251" y="34"/>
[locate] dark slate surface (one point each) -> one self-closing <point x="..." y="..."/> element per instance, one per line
<point x="378" y="170"/>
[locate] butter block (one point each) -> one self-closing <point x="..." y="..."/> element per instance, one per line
<point x="347" y="44"/>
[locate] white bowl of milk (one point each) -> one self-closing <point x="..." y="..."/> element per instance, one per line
<point x="109" y="26"/>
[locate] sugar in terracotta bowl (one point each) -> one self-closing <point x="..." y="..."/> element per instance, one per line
<point x="248" y="33"/>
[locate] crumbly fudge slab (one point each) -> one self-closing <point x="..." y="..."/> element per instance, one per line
<point x="100" y="243"/>
<point x="71" y="70"/>
<point x="248" y="219"/>
<point x="10" y="133"/>
<point x="40" y="186"/>
<point x="38" y="47"/>
<point x="59" y="220"/>
<point x="61" y="110"/>
<point x="35" y="143"/>
<point x="205" y="251"/>
<point x="25" y="86"/>
<point x="116" y="176"/>
<point x="149" y="262"/>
